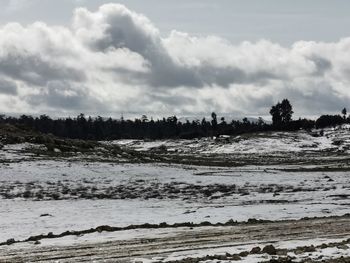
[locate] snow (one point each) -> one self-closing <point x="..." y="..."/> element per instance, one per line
<point x="322" y="254"/>
<point x="333" y="140"/>
<point x="327" y="253"/>
<point x="17" y="152"/>
<point x="319" y="197"/>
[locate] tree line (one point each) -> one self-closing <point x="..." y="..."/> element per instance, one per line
<point x="89" y="128"/>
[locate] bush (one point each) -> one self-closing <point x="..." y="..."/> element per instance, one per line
<point x="329" y="121"/>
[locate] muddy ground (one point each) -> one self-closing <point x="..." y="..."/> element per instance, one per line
<point x="263" y="236"/>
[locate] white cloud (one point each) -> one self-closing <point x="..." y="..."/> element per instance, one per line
<point x="115" y="60"/>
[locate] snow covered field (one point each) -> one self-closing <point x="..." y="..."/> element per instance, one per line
<point x="54" y="196"/>
<point x="40" y="194"/>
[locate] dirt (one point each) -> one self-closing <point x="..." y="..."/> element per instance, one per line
<point x="262" y="235"/>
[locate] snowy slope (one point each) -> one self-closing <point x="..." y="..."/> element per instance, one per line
<point x="333" y="139"/>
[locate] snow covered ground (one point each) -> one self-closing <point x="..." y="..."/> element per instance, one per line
<point x="291" y="246"/>
<point x="333" y="139"/>
<point x="78" y="195"/>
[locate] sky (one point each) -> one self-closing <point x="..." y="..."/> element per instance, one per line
<point x="166" y="57"/>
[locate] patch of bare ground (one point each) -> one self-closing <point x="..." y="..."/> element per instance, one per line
<point x="262" y="235"/>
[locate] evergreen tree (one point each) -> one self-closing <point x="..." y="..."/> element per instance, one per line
<point x="282" y="113"/>
<point x="286" y="111"/>
<point x="214" y="121"/>
<point x="344" y="112"/>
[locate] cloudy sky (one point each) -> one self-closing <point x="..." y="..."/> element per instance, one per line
<point x="184" y="57"/>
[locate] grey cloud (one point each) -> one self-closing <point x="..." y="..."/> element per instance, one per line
<point x="8" y="87"/>
<point x="34" y="70"/>
<point x="61" y="95"/>
<point x="322" y="64"/>
<point x="172" y="100"/>
<point x="321" y="100"/>
<point x="224" y="77"/>
<point x="164" y="75"/>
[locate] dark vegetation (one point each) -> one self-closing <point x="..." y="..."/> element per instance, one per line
<point x="145" y="190"/>
<point x="88" y="128"/>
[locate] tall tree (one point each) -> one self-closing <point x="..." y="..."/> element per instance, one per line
<point x="344" y="112"/>
<point x="214" y="121"/>
<point x="286" y="111"/>
<point x="282" y="113"/>
<point x="276" y="114"/>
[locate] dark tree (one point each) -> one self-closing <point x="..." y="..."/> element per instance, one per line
<point x="282" y="113"/>
<point x="276" y="115"/>
<point x="214" y="121"/>
<point x="344" y="112"/>
<point x="286" y="111"/>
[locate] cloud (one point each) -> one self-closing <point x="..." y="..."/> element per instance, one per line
<point x="8" y="87"/>
<point x="115" y="27"/>
<point x="115" y="60"/>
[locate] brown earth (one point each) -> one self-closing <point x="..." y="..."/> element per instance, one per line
<point x="184" y="239"/>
